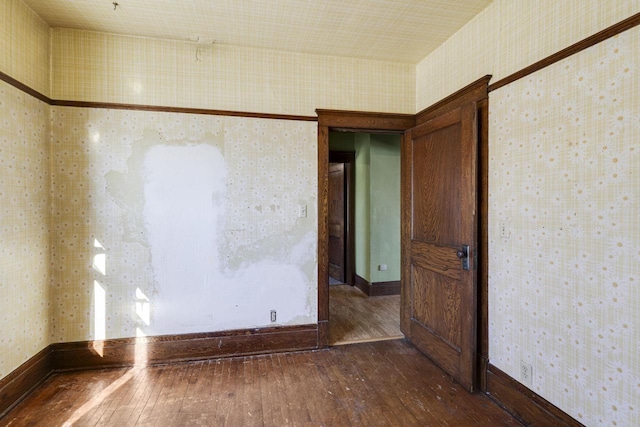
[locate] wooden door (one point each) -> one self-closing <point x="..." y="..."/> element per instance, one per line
<point x="337" y="215"/>
<point x="439" y="241"/>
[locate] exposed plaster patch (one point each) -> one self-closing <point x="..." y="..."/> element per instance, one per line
<point x="175" y="200"/>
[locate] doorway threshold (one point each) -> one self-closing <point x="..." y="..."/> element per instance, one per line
<point x="365" y="340"/>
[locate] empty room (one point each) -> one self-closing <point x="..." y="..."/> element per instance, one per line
<point x="168" y="207"/>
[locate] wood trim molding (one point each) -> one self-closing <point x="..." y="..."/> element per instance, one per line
<point x="525" y="405"/>
<point x="323" y="235"/>
<point x="179" y="348"/>
<point x="361" y="121"/>
<point x="476" y="91"/>
<point x="483" y="243"/>
<point x="154" y="108"/>
<point x="377" y="289"/>
<point x="183" y="110"/>
<point x="583" y="44"/>
<point x="361" y="283"/>
<point x="26" y="89"/>
<point x="23" y="380"/>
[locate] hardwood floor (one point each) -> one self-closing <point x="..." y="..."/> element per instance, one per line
<point x="386" y="383"/>
<point x="355" y="317"/>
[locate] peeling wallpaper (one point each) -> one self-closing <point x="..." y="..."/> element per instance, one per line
<point x="170" y="223"/>
<point x="99" y="67"/>
<point x="24" y="227"/>
<point x="564" y="180"/>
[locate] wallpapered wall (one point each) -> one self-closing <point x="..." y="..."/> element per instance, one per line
<point x="24" y="45"/>
<point x="564" y="294"/>
<point x="510" y="35"/>
<point x="24" y="227"/>
<point x="91" y="66"/>
<point x="170" y="223"/>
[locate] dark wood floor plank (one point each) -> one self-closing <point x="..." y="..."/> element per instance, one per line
<point x="198" y="385"/>
<point x="149" y="414"/>
<point x="368" y="384"/>
<point x="119" y="399"/>
<point x="366" y="369"/>
<point x="321" y="404"/>
<point x="251" y="392"/>
<point x="150" y="381"/>
<point x="172" y="396"/>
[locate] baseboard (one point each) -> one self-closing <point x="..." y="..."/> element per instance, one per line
<point x="525" y="405"/>
<point x="179" y="348"/>
<point x="24" y="379"/>
<point x="377" y="289"/>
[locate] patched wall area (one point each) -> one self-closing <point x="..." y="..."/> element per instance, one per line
<point x="167" y="223"/>
<point x="564" y="231"/>
<point x="24" y="227"/>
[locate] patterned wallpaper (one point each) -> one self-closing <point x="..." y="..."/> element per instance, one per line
<point x="24" y="45"/>
<point x="24" y="227"/>
<point x="170" y="223"/>
<point x="564" y="184"/>
<point x="92" y="66"/>
<point x="510" y="35"/>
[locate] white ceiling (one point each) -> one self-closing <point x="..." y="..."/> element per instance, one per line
<point x="389" y="30"/>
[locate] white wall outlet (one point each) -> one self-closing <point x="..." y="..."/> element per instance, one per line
<point x="526" y="373"/>
<point x="505" y="231"/>
<point x="273" y="316"/>
<point x="302" y="211"/>
<point x="382" y="267"/>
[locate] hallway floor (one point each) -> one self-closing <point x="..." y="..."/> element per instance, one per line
<point x="356" y="317"/>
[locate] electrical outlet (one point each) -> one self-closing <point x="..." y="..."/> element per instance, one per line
<point x="505" y="233"/>
<point x="273" y="316"/>
<point x="302" y="211"/>
<point x="526" y="373"/>
<point x="382" y="267"/>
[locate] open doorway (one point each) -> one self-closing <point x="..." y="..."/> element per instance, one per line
<point x="364" y="237"/>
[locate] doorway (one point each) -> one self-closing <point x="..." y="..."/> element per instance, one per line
<point x="341" y="121"/>
<point x="364" y="204"/>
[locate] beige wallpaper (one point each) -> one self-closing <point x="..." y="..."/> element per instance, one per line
<point x="510" y="35"/>
<point x="175" y="223"/>
<point x="24" y="45"/>
<point x="564" y="184"/>
<point x="91" y="66"/>
<point x="24" y="227"/>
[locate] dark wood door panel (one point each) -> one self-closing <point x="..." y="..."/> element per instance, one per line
<point x="442" y="355"/>
<point x="437" y="305"/>
<point x="439" y="231"/>
<point x="337" y="220"/>
<point x="439" y="259"/>
<point x="437" y="221"/>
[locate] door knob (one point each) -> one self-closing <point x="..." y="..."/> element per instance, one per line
<point x="461" y="254"/>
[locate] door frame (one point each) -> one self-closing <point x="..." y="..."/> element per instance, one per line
<point x="355" y="121"/>
<point x="348" y="159"/>
<point x="348" y="121"/>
